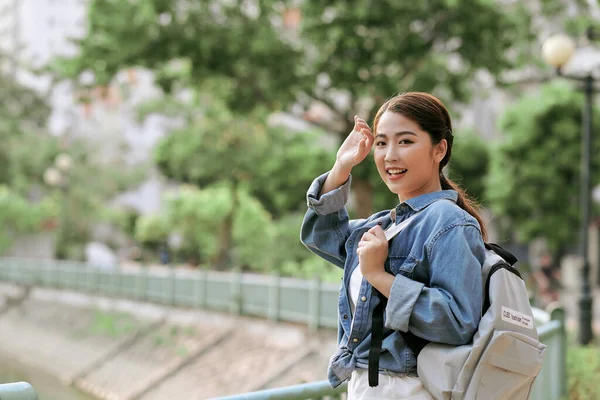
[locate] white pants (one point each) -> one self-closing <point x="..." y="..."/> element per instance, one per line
<point x="389" y="388"/>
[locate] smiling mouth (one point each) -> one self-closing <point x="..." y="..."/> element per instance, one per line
<point x="396" y="171"/>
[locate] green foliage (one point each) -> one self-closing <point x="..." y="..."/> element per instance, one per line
<point x="23" y="170"/>
<point x="253" y="238"/>
<point x="583" y="367"/>
<point x="18" y="215"/>
<point x="362" y="53"/>
<point x="469" y="163"/>
<point x="259" y="244"/>
<point x="375" y="49"/>
<point x="534" y="173"/>
<point x="151" y="230"/>
<point x="291" y="258"/>
<point x="216" y="145"/>
<point x="23" y="116"/>
<point x="273" y="164"/>
<point x="198" y="215"/>
<point x="370" y="50"/>
<point x="230" y="40"/>
<point x="86" y="201"/>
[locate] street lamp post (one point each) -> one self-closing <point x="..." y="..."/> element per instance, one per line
<point x="557" y="51"/>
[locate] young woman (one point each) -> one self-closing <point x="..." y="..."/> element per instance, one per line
<point x="430" y="272"/>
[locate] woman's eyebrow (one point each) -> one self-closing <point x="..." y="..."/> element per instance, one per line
<point x="397" y="134"/>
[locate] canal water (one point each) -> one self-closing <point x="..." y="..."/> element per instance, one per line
<point x="47" y="387"/>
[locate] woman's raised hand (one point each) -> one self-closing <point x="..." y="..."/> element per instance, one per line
<point x="356" y="146"/>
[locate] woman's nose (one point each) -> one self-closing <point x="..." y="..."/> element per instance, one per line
<point x="390" y="155"/>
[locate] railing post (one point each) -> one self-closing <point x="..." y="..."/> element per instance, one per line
<point x="205" y="288"/>
<point x="116" y="289"/>
<point x="144" y="283"/>
<point x="31" y="275"/>
<point x="173" y="292"/>
<point x="274" y="296"/>
<point x="314" y="305"/>
<point x="56" y="267"/>
<point x="235" y="303"/>
<point x="197" y="289"/>
<point x="558" y="313"/>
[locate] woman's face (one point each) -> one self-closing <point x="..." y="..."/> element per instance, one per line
<point x="405" y="157"/>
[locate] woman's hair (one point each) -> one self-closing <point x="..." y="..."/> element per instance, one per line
<point x="432" y="117"/>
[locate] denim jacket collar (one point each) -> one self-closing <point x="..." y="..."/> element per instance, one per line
<point x="420" y="202"/>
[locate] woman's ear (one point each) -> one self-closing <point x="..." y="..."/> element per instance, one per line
<point x="440" y="149"/>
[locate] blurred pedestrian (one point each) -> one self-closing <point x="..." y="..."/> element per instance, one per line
<point x="430" y="272"/>
<point x="548" y="280"/>
<point x="165" y="257"/>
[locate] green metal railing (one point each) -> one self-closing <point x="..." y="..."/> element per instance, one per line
<point x="551" y="383"/>
<point x="316" y="390"/>
<point x="310" y="302"/>
<point x="17" y="391"/>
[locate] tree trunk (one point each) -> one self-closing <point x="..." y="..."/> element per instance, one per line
<point x="223" y="259"/>
<point x="362" y="193"/>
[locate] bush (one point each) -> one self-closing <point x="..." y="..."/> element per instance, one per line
<point x="18" y="215"/>
<point x="583" y="369"/>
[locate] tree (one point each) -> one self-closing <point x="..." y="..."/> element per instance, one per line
<point x="84" y="201"/>
<point x="197" y="214"/>
<point x="348" y="59"/>
<point x="244" y="153"/>
<point x="469" y="164"/>
<point x="534" y="173"/>
<point x="23" y="114"/>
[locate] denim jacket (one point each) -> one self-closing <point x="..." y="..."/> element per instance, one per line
<point x="436" y="260"/>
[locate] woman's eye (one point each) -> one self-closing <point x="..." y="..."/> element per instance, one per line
<point x="405" y="141"/>
<point x="380" y="143"/>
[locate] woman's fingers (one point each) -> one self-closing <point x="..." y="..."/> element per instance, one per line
<point x="369" y="136"/>
<point x="360" y="124"/>
<point x="367" y="236"/>
<point x="362" y="127"/>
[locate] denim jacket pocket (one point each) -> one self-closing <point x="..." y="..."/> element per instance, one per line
<point x="404" y="265"/>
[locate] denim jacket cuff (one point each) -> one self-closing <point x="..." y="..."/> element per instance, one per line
<point x="330" y="202"/>
<point x="403" y="296"/>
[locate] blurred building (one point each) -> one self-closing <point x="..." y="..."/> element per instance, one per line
<point x="33" y="32"/>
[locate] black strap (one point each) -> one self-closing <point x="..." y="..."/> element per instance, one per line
<point x="414" y="342"/>
<point x="507" y="262"/>
<point x="376" y="338"/>
<point x="495" y="268"/>
<point x="507" y="256"/>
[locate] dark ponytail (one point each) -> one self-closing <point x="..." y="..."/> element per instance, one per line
<point x="433" y="117"/>
<point x="465" y="202"/>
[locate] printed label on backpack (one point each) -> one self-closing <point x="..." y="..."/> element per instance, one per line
<point x="517" y="318"/>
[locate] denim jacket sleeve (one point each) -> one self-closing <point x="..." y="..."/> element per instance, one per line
<point x="448" y="310"/>
<point x="326" y="225"/>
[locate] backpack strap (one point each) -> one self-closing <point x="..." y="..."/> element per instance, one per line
<point x="507" y="264"/>
<point x="377" y="316"/>
<point x="507" y="256"/>
<point x="376" y="338"/>
<point x="414" y="343"/>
